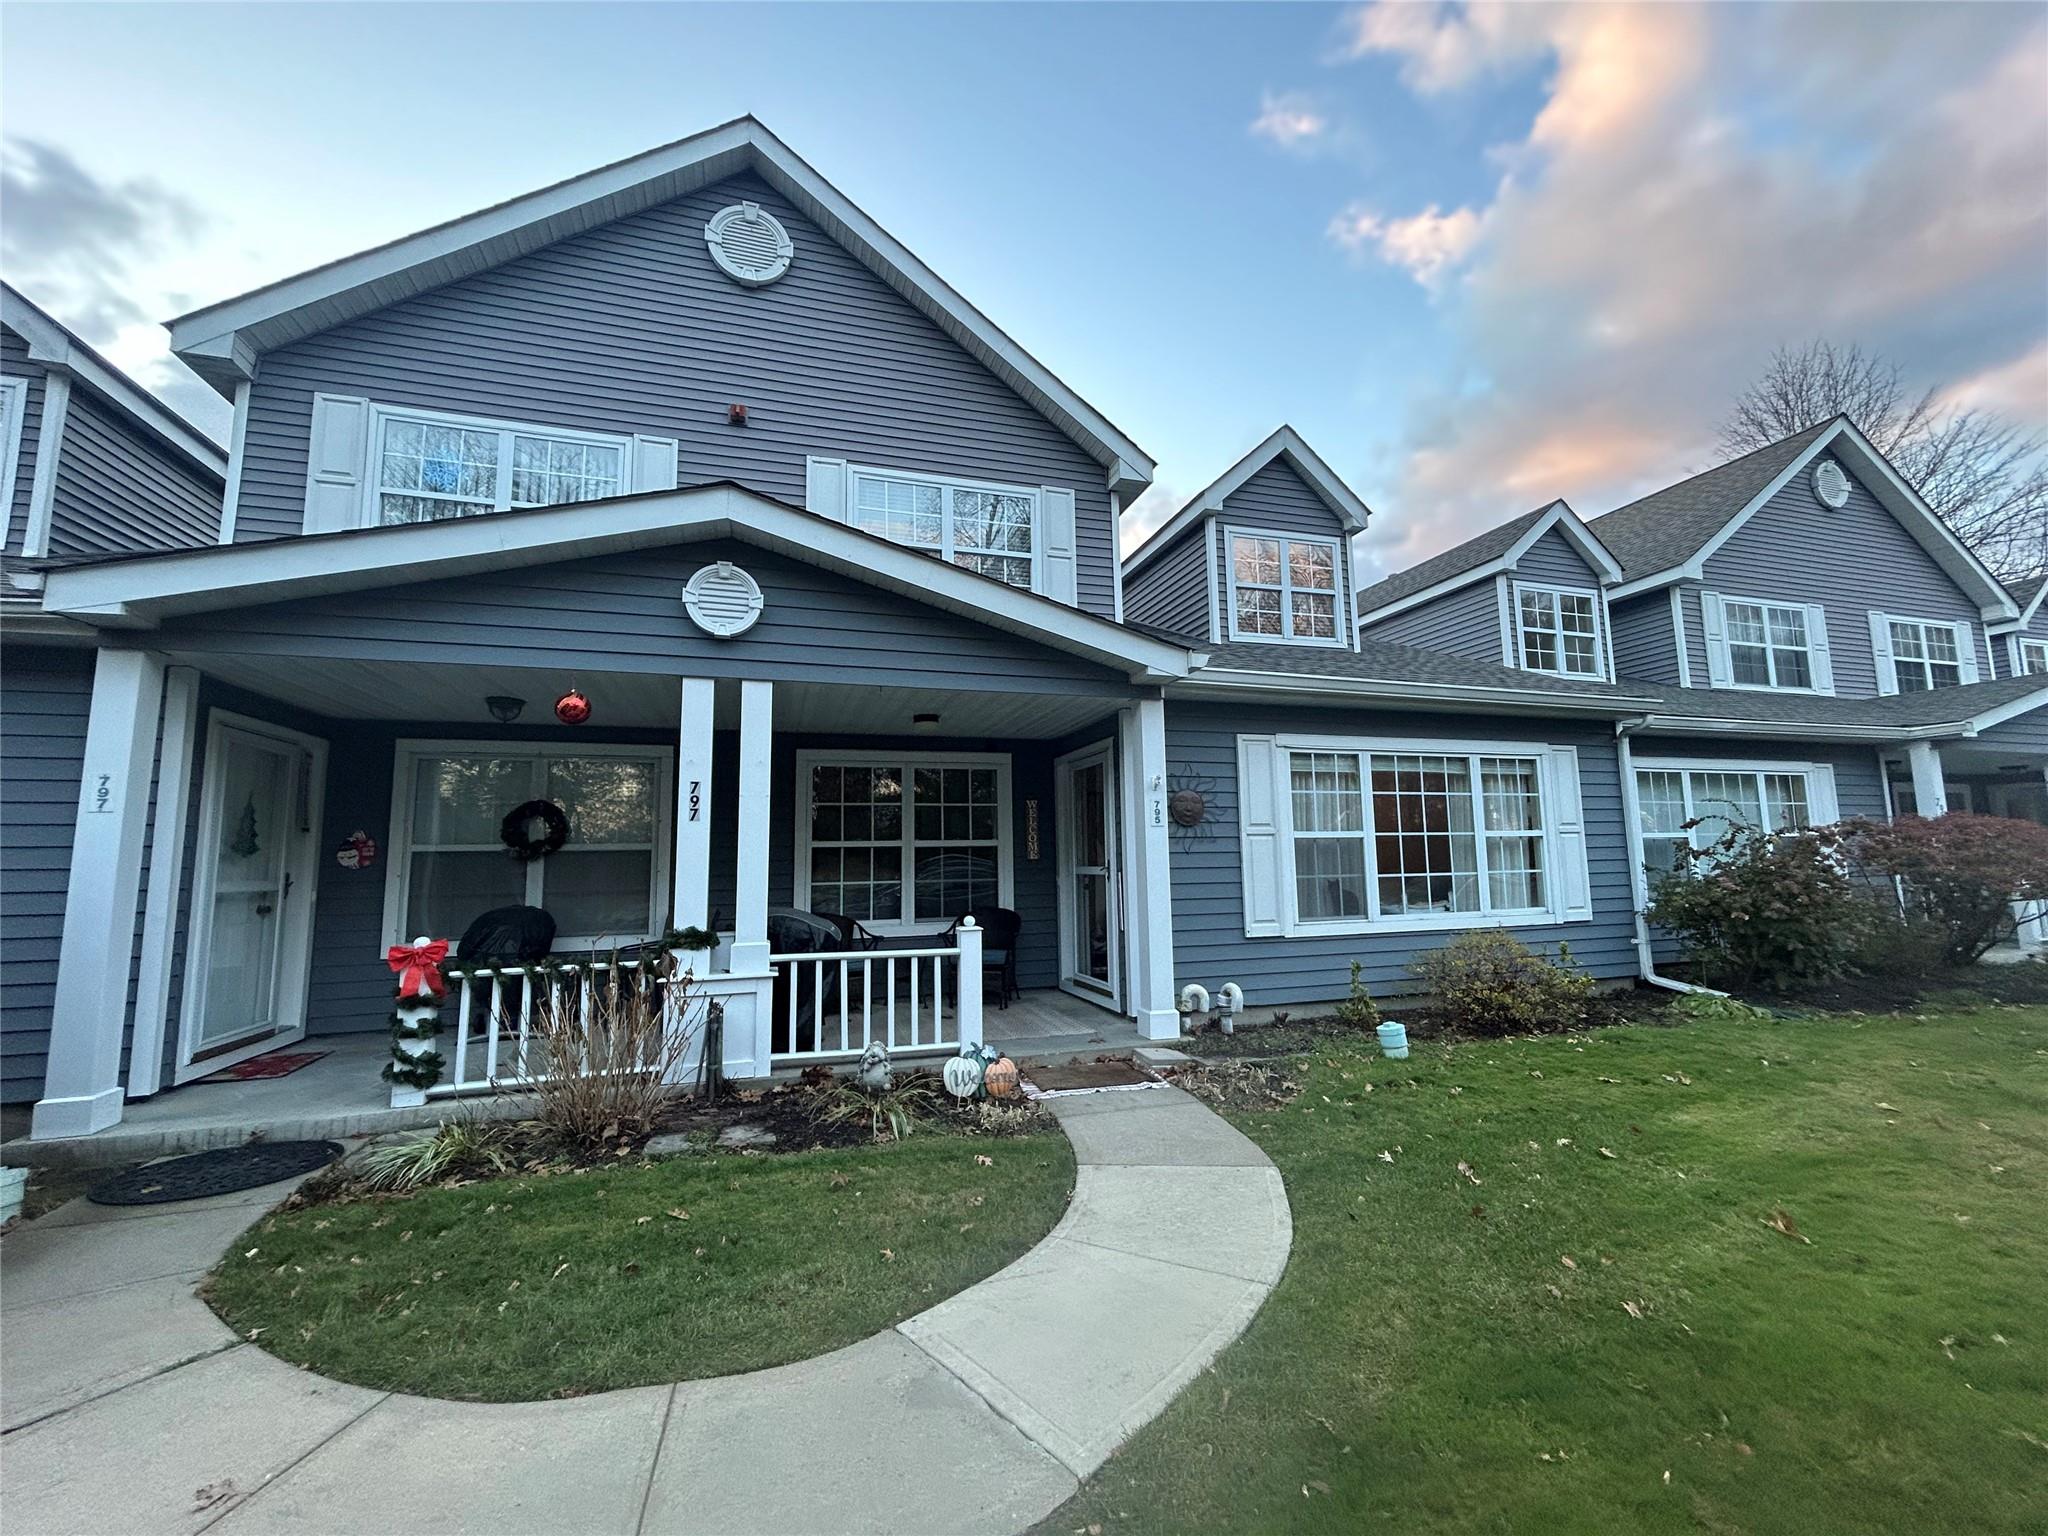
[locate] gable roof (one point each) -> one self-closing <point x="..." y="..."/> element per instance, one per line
<point x="140" y="592"/>
<point x="1669" y="535"/>
<point x="56" y="345"/>
<point x="2026" y="596"/>
<point x="1481" y="557"/>
<point x="223" y="341"/>
<point x="1284" y="443"/>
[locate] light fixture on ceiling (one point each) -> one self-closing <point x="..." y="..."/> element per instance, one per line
<point x="924" y="724"/>
<point x="504" y="708"/>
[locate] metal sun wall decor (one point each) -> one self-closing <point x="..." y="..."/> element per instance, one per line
<point x="1189" y="795"/>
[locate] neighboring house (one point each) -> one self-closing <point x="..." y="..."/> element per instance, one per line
<point x="833" y="562"/>
<point x="93" y="466"/>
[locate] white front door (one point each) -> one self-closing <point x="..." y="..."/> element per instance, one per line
<point x="252" y="897"/>
<point x="1091" y="934"/>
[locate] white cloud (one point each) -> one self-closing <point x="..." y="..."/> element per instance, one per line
<point x="1290" y="120"/>
<point x="1425" y="245"/>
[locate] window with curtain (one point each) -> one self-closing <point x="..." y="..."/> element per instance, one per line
<point x="1925" y="656"/>
<point x="602" y="887"/>
<point x="1404" y="835"/>
<point x="431" y="466"/>
<point x="1283" y="588"/>
<point x="2033" y="657"/>
<point x="1697" y="807"/>
<point x="1768" y="645"/>
<point x="907" y="840"/>
<point x="985" y="528"/>
<point x="1560" y="630"/>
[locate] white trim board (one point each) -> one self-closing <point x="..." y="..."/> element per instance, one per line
<point x="222" y="341"/>
<point x="14" y="392"/>
<point x="1282" y="443"/>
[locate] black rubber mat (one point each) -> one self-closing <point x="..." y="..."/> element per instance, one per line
<point x="220" y="1172"/>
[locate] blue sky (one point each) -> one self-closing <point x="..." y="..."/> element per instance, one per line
<point x="1481" y="256"/>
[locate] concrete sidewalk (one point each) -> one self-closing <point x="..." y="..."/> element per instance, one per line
<point x="129" y="1407"/>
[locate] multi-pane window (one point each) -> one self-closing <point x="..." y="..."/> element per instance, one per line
<point x="1406" y="835"/>
<point x="1283" y="588"/>
<point x="1768" y="645"/>
<point x="904" y="840"/>
<point x="2033" y="657"/>
<point x="990" y="529"/>
<point x="1925" y="656"/>
<point x="1697" y="807"/>
<point x="601" y="886"/>
<point x="430" y="467"/>
<point x="1560" y="630"/>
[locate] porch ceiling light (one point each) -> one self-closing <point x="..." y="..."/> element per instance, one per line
<point x="504" y="708"/>
<point x="925" y="724"/>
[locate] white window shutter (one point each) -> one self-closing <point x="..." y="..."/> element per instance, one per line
<point x="1259" y="833"/>
<point x="1571" y="896"/>
<point x="1817" y="641"/>
<point x="1881" y="652"/>
<point x="1510" y="626"/>
<point x="825" y="488"/>
<point x="1715" y="627"/>
<point x="654" y="463"/>
<point x="1823" y="808"/>
<point x="1058" y="572"/>
<point x="1966" y="651"/>
<point x="337" y="462"/>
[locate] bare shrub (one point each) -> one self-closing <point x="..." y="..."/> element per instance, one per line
<point x="608" y="1048"/>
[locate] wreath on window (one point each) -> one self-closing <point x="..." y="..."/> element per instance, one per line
<point x="518" y="832"/>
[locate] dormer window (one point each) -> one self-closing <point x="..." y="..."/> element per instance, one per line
<point x="1283" y="587"/>
<point x="2033" y="657"/>
<point x="1559" y="630"/>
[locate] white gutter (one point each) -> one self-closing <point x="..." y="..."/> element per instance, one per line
<point x="1646" y="956"/>
<point x="1410" y="691"/>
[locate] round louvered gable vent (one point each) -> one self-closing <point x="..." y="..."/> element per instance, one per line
<point x="723" y="600"/>
<point x="749" y="244"/>
<point x="1830" y="484"/>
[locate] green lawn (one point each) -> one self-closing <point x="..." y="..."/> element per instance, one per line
<point x="1430" y="1362"/>
<point x="698" y="1266"/>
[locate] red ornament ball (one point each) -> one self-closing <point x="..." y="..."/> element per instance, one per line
<point x="572" y="708"/>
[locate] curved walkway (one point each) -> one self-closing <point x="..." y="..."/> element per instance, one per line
<point x="128" y="1406"/>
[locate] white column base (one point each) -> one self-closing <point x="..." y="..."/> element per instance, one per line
<point x="1159" y="1024"/>
<point x="56" y="1119"/>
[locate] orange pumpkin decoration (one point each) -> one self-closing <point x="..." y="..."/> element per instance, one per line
<point x="1000" y="1081"/>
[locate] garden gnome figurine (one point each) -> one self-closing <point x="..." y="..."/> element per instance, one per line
<point x="875" y="1074"/>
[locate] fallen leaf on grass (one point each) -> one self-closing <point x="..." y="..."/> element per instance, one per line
<point x="1562" y="1141"/>
<point x="679" y="1213"/>
<point x="889" y="1254"/>
<point x="1778" y="1221"/>
<point x="1320" y="1487"/>
<point x="1567" y="1261"/>
<point x="1632" y="1310"/>
<point x="983" y="1160"/>
<point x="1554" y="1291"/>
<point x="559" y="1268"/>
<point x="1466" y="1169"/>
<point x="1615" y="1080"/>
<point x="1386" y="1157"/>
<point x="1605" y="1153"/>
<point x="641" y="1221"/>
<point x="1890" y="1109"/>
<point x="1667" y="1479"/>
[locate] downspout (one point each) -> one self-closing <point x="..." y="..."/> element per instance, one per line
<point x="1646" y="957"/>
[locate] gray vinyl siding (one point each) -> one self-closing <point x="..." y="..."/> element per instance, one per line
<point x="1645" y="645"/>
<point x="45" y="699"/>
<point x="1210" y="946"/>
<point x="1278" y="500"/>
<point x="2005" y="648"/>
<point x="631" y="328"/>
<point x="1555" y="561"/>
<point x="1461" y="623"/>
<point x="1850" y="561"/>
<point x="2024" y="733"/>
<point x="120" y="488"/>
<point x="15" y="364"/>
<point x="1696" y="634"/>
<point x="1171" y="590"/>
<point x="624" y="613"/>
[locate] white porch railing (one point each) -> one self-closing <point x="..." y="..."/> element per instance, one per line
<point x="489" y="1041"/>
<point x="832" y="1006"/>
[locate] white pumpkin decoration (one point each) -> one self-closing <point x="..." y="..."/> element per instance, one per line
<point x="962" y="1076"/>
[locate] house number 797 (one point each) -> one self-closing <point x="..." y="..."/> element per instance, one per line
<point x="696" y="797"/>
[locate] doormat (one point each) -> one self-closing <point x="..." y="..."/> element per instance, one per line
<point x="276" y="1064"/>
<point x="1104" y="1075"/>
<point x="220" y="1172"/>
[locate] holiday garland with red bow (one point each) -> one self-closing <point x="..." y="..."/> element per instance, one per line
<point x="416" y="1014"/>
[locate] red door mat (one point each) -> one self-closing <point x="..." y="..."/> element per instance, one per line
<point x="276" y="1064"/>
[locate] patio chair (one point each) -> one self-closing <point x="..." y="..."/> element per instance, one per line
<point x="1000" y="928"/>
<point x="812" y="990"/>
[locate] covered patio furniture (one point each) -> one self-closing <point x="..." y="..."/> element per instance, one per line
<point x="1000" y="928"/>
<point x="809" y="989"/>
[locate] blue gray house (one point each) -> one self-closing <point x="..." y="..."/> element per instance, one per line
<point x="681" y="497"/>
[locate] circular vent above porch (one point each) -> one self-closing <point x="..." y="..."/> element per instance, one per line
<point x="723" y="600"/>
<point x="1831" y="484"/>
<point x="749" y="244"/>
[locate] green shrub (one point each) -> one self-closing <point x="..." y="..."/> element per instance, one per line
<point x="1959" y="872"/>
<point x="1895" y="944"/>
<point x="1765" y="909"/>
<point x="1358" y="1011"/>
<point x="1492" y="983"/>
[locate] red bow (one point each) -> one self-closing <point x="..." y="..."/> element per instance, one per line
<point x="419" y="967"/>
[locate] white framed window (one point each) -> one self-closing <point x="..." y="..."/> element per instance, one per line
<point x="1351" y="836"/>
<point x="903" y="841"/>
<point x="993" y="529"/>
<point x="606" y="886"/>
<point x="2033" y="657"/>
<point x="1284" y="587"/>
<point x="425" y="466"/>
<point x="1757" y="643"/>
<point x="1558" y="630"/>
<point x="1695" y="804"/>
<point x="13" y="416"/>
<point x="1927" y="655"/>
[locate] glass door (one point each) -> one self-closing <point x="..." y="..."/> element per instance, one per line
<point x="1090" y="933"/>
<point x="254" y="828"/>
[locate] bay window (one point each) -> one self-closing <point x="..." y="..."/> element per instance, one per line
<point x="1283" y="587"/>
<point x="1680" y="806"/>
<point x="992" y="529"/>
<point x="902" y="839"/>
<point x="605" y="886"/>
<point x="426" y="466"/>
<point x="1559" y="629"/>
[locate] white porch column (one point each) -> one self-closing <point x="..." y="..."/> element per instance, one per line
<point x="750" y="919"/>
<point x="166" y="877"/>
<point x="693" y="806"/>
<point x="82" y="1086"/>
<point x="1930" y="791"/>
<point x="1147" y="887"/>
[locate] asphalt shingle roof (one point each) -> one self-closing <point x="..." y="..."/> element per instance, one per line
<point x="1942" y="706"/>
<point x="1385" y="661"/>
<point x="1468" y="556"/>
<point x="1668" y="527"/>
